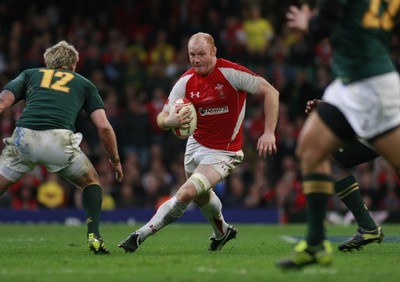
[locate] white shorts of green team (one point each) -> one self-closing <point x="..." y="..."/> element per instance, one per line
<point x="222" y="161"/>
<point x="57" y="149"/>
<point x="371" y="106"/>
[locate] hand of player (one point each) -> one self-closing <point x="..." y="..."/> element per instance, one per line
<point x="179" y="118"/>
<point x="117" y="167"/>
<point x="311" y="105"/>
<point x="298" y="18"/>
<point x="266" y="145"/>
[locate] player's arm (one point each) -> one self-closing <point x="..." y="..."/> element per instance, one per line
<point x="166" y="119"/>
<point x="266" y="143"/>
<point x="7" y="99"/>
<point x="108" y="139"/>
<point x="319" y="24"/>
<point x="161" y="120"/>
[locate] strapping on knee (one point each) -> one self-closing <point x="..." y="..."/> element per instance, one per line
<point x="201" y="182"/>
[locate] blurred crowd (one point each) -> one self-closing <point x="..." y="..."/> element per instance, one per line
<point x="134" y="51"/>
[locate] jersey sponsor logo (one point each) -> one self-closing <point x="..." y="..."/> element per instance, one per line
<point x="195" y="94"/>
<point x="213" y="111"/>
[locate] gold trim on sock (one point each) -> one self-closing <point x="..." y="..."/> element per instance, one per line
<point x="317" y="186"/>
<point x="343" y="194"/>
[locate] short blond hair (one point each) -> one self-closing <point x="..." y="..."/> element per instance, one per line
<point x="61" y="56"/>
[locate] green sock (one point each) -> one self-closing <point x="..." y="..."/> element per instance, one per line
<point x="91" y="201"/>
<point x="317" y="204"/>
<point x="317" y="188"/>
<point x="348" y="191"/>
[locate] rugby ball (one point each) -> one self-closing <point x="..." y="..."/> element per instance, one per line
<point x="183" y="103"/>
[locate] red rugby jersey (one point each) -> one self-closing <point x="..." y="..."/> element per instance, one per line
<point x="220" y="102"/>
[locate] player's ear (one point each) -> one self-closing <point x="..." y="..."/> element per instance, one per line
<point x="214" y="51"/>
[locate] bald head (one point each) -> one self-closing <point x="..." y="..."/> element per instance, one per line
<point x="202" y="36"/>
<point x="202" y="53"/>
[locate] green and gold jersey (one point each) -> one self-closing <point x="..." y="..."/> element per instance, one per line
<point x="361" y="40"/>
<point x="53" y="98"/>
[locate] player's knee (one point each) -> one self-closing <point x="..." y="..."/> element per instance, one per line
<point x="85" y="180"/>
<point x="186" y="193"/>
<point x="300" y="150"/>
<point x="202" y="199"/>
<point x="201" y="182"/>
<point x="310" y="156"/>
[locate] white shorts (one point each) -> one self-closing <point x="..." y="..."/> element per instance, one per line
<point x="57" y="149"/>
<point x="222" y="161"/>
<point x="371" y="106"/>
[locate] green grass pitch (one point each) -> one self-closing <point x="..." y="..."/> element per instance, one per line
<point x="179" y="253"/>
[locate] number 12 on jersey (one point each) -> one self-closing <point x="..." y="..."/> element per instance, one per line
<point x="373" y="18"/>
<point x="58" y="85"/>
